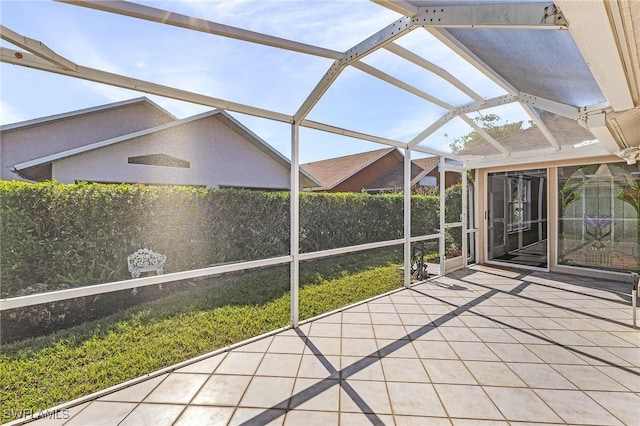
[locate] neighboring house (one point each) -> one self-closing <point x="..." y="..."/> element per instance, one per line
<point x="376" y="171"/>
<point x="566" y="132"/>
<point x="136" y="141"/>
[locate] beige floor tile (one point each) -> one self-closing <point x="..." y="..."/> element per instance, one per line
<point x="381" y="307"/>
<point x="467" y="402"/>
<point x="257" y="417"/>
<point x="364" y="397"/>
<point x="473" y="351"/>
<point x="420" y="421"/>
<point x="58" y="418"/>
<point x="385" y="331"/>
<point x="458" y="334"/>
<point x="153" y="415"/>
<point x="414" y="318"/>
<point x="356" y="318"/>
<point x="221" y="389"/>
<point x="135" y="393"/>
<point x="448" y="371"/>
<point x="396" y="348"/>
<point x="415" y="399"/>
<point x="359" y="347"/>
<point x="358" y="368"/>
<point x="100" y="413"/>
<point x="206" y="366"/>
<point x="404" y="370"/>
<point x="177" y="388"/>
<point x="494" y="335"/>
<point x="287" y="345"/>
<point x="314" y="367"/>
<point x="625" y="406"/>
<point x="310" y="418"/>
<point x="510" y="352"/>
<point x="268" y="392"/>
<point x="521" y="405"/>
<point x="240" y="363"/>
<point x="574" y="407"/>
<point x="434" y="350"/>
<point x="280" y="365"/>
<point x="490" y="373"/>
<point x="553" y="354"/>
<point x="595" y="355"/>
<point x="628" y="377"/>
<point x="586" y="377"/>
<point x="316" y="395"/>
<point x="358" y="330"/>
<point x="323" y="345"/>
<point x="260" y="345"/>
<point x="385" y="318"/>
<point x="334" y="318"/>
<point x="540" y="376"/>
<point x="361" y="419"/>
<point x="325" y="329"/>
<point x="201" y="416"/>
<point x="409" y="309"/>
<point x="476" y="422"/>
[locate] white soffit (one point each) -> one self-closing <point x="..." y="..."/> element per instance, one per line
<point x="590" y="27"/>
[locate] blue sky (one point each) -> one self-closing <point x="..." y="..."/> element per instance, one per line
<point x="242" y="72"/>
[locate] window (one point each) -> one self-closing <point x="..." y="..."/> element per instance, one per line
<point x="518" y="203"/>
<point x="599" y="216"/>
<point x="162" y="160"/>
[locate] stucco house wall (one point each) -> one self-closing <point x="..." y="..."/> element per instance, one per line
<point x="217" y="154"/>
<point x="37" y="138"/>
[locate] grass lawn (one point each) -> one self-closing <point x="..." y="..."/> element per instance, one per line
<point x="43" y="372"/>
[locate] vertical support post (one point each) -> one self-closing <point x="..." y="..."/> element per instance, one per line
<point x="463" y="218"/>
<point x="553" y="212"/>
<point x="442" y="211"/>
<point x="295" y="222"/>
<point x="407" y="216"/>
<point x="634" y="296"/>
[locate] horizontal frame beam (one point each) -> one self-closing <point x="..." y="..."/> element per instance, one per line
<point x="402" y="85"/>
<point x="92" y="290"/>
<point x="36" y="47"/>
<point x="153" y="14"/>
<point x="517" y="15"/>
<point x="433" y="68"/>
<point x="349" y="249"/>
<point x="564" y="110"/>
<point x="15" y="57"/>
<point x="350" y="133"/>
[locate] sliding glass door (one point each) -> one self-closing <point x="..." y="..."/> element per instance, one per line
<point x="517" y="217"/>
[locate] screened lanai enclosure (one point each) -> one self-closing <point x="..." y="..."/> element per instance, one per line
<point x="533" y="106"/>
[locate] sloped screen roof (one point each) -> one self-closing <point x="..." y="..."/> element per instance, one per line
<point x="542" y="63"/>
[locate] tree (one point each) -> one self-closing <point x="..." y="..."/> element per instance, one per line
<point x="490" y="123"/>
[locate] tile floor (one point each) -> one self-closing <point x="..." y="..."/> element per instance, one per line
<point x="479" y="346"/>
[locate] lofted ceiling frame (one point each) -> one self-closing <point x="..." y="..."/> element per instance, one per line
<point x="435" y="20"/>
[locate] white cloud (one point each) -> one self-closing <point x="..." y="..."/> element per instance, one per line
<point x="9" y="114"/>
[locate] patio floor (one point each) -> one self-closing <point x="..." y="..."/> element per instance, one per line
<point x="479" y="346"/>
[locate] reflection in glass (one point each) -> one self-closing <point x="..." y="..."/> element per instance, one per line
<point x="598" y="216"/>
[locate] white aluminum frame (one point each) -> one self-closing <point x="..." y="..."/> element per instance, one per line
<point x="542" y="16"/>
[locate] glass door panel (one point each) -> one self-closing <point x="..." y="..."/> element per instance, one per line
<point x="517" y="217"/>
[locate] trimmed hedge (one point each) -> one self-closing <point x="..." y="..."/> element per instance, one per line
<point x="70" y="235"/>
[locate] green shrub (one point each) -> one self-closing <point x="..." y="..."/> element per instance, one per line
<point x="81" y="234"/>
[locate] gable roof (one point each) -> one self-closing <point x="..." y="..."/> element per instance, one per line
<point x="394" y="178"/>
<point x="567" y="132"/>
<point x="333" y="171"/>
<point x="226" y="118"/>
<point x="85" y="111"/>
